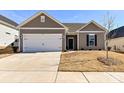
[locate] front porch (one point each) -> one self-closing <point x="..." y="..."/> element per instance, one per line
<point x="71" y="42"/>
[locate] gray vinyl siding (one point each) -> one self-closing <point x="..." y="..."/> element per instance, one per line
<point x="91" y="27"/>
<point x="83" y="41"/>
<point x="36" y="23"/>
<point x="49" y="23"/>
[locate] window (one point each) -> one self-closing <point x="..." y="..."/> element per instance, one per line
<point x="8" y="33"/>
<point x="16" y="40"/>
<point x="91" y="39"/>
<point x="42" y="19"/>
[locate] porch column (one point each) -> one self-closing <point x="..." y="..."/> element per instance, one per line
<point x="65" y="39"/>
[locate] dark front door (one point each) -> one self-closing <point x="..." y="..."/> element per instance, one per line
<point x="71" y="43"/>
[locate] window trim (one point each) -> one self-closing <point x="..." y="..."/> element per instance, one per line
<point x="89" y="39"/>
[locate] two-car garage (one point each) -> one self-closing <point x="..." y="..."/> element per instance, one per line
<point x="42" y="42"/>
<point x="40" y="33"/>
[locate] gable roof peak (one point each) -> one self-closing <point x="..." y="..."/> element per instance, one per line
<point x="36" y="15"/>
<point x="94" y="22"/>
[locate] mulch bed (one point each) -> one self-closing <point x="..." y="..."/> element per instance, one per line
<point x="109" y="61"/>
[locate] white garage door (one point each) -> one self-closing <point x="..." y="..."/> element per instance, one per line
<point x="42" y="42"/>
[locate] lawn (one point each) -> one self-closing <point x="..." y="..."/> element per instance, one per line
<point x="87" y="61"/>
<point x="4" y="55"/>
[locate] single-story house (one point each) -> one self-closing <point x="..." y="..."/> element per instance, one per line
<point x="116" y="39"/>
<point x="42" y="32"/>
<point x="8" y="32"/>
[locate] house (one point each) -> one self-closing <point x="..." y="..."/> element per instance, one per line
<point x="42" y="32"/>
<point x="8" y="32"/>
<point x="116" y="39"/>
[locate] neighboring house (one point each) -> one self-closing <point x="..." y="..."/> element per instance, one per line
<point x="42" y="32"/>
<point x="116" y="39"/>
<point x="8" y="32"/>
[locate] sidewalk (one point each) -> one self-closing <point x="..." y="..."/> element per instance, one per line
<point x="90" y="77"/>
<point x="60" y="77"/>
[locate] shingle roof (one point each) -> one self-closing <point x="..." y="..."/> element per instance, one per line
<point x="73" y="27"/>
<point x="8" y="21"/>
<point x="118" y="32"/>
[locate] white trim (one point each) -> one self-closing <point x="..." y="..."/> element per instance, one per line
<point x="68" y="42"/>
<point x="19" y="43"/>
<point x="39" y="28"/>
<point x="7" y="24"/>
<point x="37" y="14"/>
<point x="71" y="33"/>
<point x="65" y="40"/>
<point x="93" y="23"/>
<point x="91" y="32"/>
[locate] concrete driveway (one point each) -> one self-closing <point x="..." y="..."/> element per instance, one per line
<point x="30" y="67"/>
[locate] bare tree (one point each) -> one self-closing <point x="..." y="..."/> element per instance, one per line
<point x="108" y="23"/>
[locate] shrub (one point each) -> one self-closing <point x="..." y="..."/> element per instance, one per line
<point x="82" y="48"/>
<point x="109" y="48"/>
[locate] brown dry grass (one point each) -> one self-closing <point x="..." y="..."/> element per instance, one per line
<point x="87" y="61"/>
<point x="7" y="50"/>
<point x="4" y="55"/>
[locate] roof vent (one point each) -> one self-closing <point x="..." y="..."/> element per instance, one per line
<point x="42" y="19"/>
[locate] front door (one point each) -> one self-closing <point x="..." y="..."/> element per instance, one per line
<point x="71" y="43"/>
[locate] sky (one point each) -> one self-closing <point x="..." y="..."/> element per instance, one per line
<point x="68" y="16"/>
